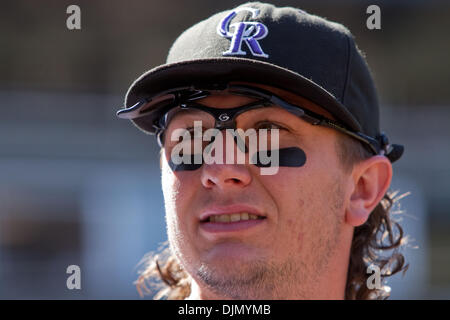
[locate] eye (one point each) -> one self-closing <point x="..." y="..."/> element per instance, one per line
<point x="268" y="125"/>
<point x="192" y="131"/>
<point x="195" y="134"/>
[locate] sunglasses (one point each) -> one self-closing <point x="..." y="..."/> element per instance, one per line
<point x="155" y="114"/>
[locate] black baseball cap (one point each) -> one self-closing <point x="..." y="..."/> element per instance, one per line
<point x="286" y="48"/>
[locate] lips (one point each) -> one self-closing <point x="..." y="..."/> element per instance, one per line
<point x="230" y="219"/>
<point x="232" y="213"/>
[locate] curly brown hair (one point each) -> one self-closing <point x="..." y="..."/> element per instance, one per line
<point x="376" y="242"/>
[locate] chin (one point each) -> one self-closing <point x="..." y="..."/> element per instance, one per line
<point x="244" y="281"/>
<point x="226" y="270"/>
<point x="231" y="254"/>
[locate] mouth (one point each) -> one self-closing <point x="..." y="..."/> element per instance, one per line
<point x="231" y="220"/>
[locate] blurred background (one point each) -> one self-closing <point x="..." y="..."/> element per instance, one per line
<point x="78" y="186"/>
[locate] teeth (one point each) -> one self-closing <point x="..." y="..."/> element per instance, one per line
<point x="232" y="217"/>
<point x="235" y="217"/>
<point x="223" y="218"/>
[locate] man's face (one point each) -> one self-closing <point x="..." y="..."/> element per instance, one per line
<point x="299" y="232"/>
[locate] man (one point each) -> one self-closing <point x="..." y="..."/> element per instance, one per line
<point x="274" y="170"/>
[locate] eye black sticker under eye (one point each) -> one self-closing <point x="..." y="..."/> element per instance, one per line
<point x="288" y="157"/>
<point x="185" y="166"/>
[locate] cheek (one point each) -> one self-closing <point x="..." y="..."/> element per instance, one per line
<point x="296" y="234"/>
<point x="300" y="238"/>
<point x="170" y="187"/>
<point x="176" y="186"/>
<point x="303" y="198"/>
<point x="173" y="202"/>
<point x="178" y="193"/>
<point x="174" y="197"/>
<point x="290" y="191"/>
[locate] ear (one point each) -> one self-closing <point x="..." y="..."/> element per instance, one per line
<point x="371" y="180"/>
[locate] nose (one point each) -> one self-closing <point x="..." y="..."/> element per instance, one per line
<point x="225" y="176"/>
<point x="228" y="172"/>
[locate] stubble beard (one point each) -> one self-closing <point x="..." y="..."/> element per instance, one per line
<point x="250" y="280"/>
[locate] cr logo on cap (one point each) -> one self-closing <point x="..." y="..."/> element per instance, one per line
<point x="249" y="32"/>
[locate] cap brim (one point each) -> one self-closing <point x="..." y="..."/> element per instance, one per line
<point x="227" y="69"/>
